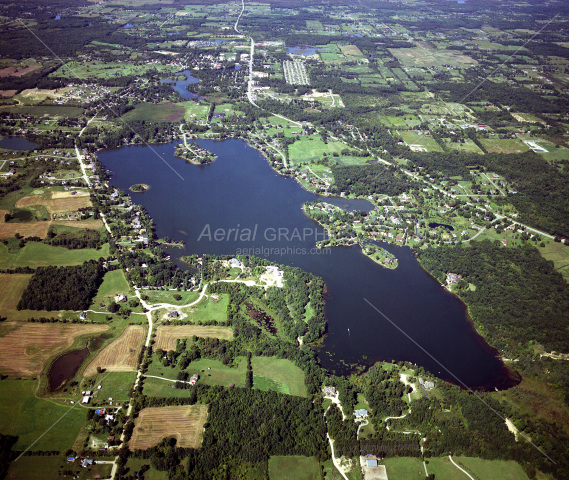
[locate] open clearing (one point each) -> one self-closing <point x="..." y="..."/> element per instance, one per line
<point x="12" y="286"/>
<point x="120" y="355"/>
<point x="36" y="254"/>
<point x="404" y="468"/>
<point x="418" y="57"/>
<point x="25" y="350"/>
<point x="89" y="224"/>
<point x="55" y="205"/>
<point x="166" y="336"/>
<point x="155" y="423"/>
<point x="34" y="419"/>
<point x="294" y="467"/>
<point x="32" y="229"/>
<point x="279" y="375"/>
<point x="42" y="94"/>
<point x="504" y="145"/>
<point x="163" y="111"/>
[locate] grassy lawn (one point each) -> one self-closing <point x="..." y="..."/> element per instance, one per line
<point x="468" y="146"/>
<point x="36" y="254"/>
<point x="195" y="110"/>
<point x="113" y="283"/>
<point x="167" y="296"/>
<point x="134" y="464"/>
<point x="405" y="468"/>
<point x="28" y="417"/>
<point x="305" y="150"/>
<point x="492" y="469"/>
<point x="115" y="385"/>
<point x="294" y="467"/>
<point x="208" y="310"/>
<point x="47" y="468"/>
<point x="280" y="375"/>
<point x="211" y="372"/>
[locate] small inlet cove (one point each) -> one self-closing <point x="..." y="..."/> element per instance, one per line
<point x="426" y="325"/>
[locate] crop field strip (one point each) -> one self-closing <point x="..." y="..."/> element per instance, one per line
<point x="185" y="423"/>
<point x="122" y="354"/>
<point x="167" y="336"/>
<point x="55" y="205"/>
<point x="25" y="350"/>
<point x="12" y="286"/>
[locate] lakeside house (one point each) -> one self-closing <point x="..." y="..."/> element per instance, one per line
<point x="274" y="270"/>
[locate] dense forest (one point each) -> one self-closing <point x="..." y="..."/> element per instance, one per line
<point x="63" y="288"/>
<point x="518" y="296"/>
<point x="371" y="179"/>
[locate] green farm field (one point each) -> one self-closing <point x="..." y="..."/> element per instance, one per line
<point x="113" y="283"/>
<point x="48" y="468"/>
<point x="420" y="143"/>
<point x="277" y="374"/>
<point x="36" y="254"/>
<point x="28" y="417"/>
<point x="293" y="467"/>
<point x="305" y="150"/>
<point x="504" y="145"/>
<point x="468" y="146"/>
<point x="211" y="372"/>
<point x="162" y="112"/>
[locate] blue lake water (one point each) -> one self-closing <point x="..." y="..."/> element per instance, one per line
<point x="240" y="190"/>
<point x="17" y="143"/>
<point x="301" y="50"/>
<point x="181" y="85"/>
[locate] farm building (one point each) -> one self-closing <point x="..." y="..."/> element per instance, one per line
<point x="194" y="379"/>
<point x="372" y="462"/>
<point x="85" y="400"/>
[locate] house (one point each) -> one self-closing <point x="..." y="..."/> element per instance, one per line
<point x="235" y="263"/>
<point x="195" y="377"/>
<point x="361" y="414"/>
<point x="274" y="270"/>
<point x="429" y="385"/>
<point x="85" y="400"/>
<point x="87" y="462"/>
<point x="173" y="314"/>
<point x="330" y="391"/>
<point x="371" y="462"/>
<point x="83" y="316"/>
<point x="121" y="297"/>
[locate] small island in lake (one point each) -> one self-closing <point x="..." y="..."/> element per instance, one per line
<point x="139" y="187"/>
<point x="195" y="154"/>
<point x="381" y="256"/>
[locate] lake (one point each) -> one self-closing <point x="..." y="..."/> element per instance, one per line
<point x="65" y="367"/>
<point x="240" y="190"/>
<point x="17" y="143"/>
<point x="181" y="85"/>
<point x="435" y="225"/>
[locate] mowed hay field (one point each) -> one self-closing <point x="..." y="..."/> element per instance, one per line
<point x="12" y="286"/>
<point x="167" y="336"/>
<point x="26" y="347"/>
<point x="185" y="423"/>
<point x="90" y="224"/>
<point x="120" y="355"/>
<point x="55" y="205"/>
<point x="32" y="229"/>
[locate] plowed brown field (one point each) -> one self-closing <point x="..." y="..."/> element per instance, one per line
<point x="185" y="423"/>
<point x="25" y="350"/>
<point x="120" y="355"/>
<point x="167" y="336"/>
